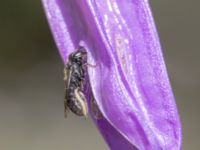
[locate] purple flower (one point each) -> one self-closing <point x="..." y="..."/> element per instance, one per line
<point x="133" y="104"/>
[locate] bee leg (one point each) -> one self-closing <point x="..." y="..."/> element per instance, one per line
<point x="66" y="69"/>
<point x="66" y="109"/>
<point x="95" y="109"/>
<point x="82" y="100"/>
<point x="90" y="65"/>
<point x="65" y="74"/>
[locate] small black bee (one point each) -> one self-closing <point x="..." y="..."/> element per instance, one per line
<point x="74" y="76"/>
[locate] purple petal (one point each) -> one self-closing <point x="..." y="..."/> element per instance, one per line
<point x="130" y="83"/>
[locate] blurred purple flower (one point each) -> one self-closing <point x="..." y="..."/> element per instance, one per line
<point x="130" y="83"/>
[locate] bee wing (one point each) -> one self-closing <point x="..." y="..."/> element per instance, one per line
<point x="67" y="78"/>
<point x="67" y="75"/>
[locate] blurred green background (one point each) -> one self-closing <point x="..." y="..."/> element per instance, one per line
<point x="31" y="84"/>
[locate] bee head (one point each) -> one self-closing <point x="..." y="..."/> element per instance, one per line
<point x="79" y="56"/>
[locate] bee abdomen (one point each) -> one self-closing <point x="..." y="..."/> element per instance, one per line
<point x="75" y="106"/>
